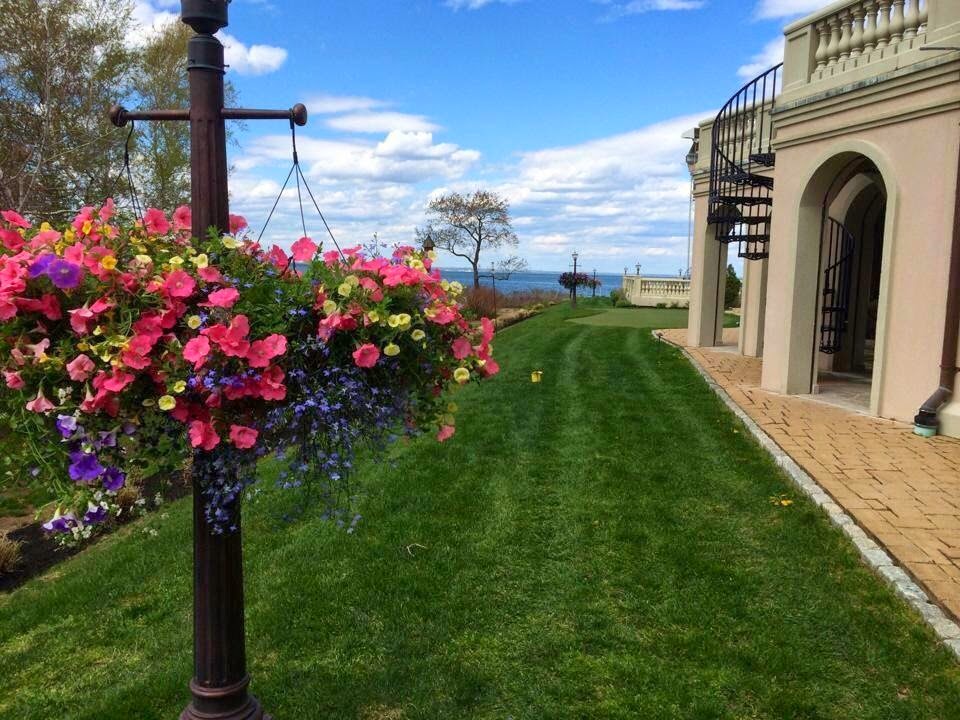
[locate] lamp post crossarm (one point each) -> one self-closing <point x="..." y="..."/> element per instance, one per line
<point x="297" y="115"/>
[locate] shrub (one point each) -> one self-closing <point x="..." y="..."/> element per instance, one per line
<point x="9" y="554"/>
<point x="616" y="295"/>
<point x="661" y="306"/>
<point x="481" y="302"/>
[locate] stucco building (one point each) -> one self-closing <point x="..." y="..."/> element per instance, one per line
<point x="835" y="177"/>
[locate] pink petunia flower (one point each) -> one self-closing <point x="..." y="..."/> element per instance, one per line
<point x="237" y="223"/>
<point x="271" y="384"/>
<point x="263" y="351"/>
<point x="196" y="351"/>
<point x="80" y="368"/>
<point x="243" y="437"/>
<point x="117" y="381"/>
<point x="224" y="298"/>
<point x="446" y="432"/>
<point x="156" y="222"/>
<point x="106" y="212"/>
<point x="40" y="404"/>
<point x="13" y="379"/>
<point x="210" y="274"/>
<point x="182" y="218"/>
<point x="231" y="340"/>
<point x="179" y="284"/>
<point x="303" y="249"/>
<point x="15" y="219"/>
<point x="203" y="435"/>
<point x="366" y="355"/>
<point x="461" y="348"/>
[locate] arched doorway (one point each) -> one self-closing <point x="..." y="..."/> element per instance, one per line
<point x="851" y="260"/>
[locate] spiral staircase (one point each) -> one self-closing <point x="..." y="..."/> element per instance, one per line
<point x="741" y="184"/>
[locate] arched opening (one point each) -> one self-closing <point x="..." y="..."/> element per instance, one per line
<point x="853" y="214"/>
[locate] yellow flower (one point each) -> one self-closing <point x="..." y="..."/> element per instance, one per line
<point x="345" y="289"/>
<point x="418" y="335"/>
<point x="83" y="347"/>
<point x="179" y="386"/>
<point x="352" y="280"/>
<point x="143" y="259"/>
<point x="176" y="261"/>
<point x="416" y="264"/>
<point x="404" y="321"/>
<point x="536" y="376"/>
<point x="456" y="288"/>
<point x="230" y="242"/>
<point x="444" y="285"/>
<point x="391" y="350"/>
<point x="108" y="262"/>
<point x="393" y="321"/>
<point x="329" y="307"/>
<point x="452" y="407"/>
<point x="167" y="402"/>
<point x="98" y="330"/>
<point x="200" y="261"/>
<point x="373" y="316"/>
<point x="432" y="254"/>
<point x="193" y="322"/>
<point x="45" y="226"/>
<point x="87" y="227"/>
<point x="461" y="375"/>
<point x="69" y="235"/>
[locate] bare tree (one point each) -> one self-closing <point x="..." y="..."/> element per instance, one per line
<point x="463" y="225"/>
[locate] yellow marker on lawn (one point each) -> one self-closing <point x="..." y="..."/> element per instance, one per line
<point x="536" y="375"/>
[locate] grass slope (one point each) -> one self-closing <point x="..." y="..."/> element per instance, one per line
<point x="601" y="545"/>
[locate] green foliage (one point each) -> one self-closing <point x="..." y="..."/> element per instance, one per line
<point x="731" y="294"/>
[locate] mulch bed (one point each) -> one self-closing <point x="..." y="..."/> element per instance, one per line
<point x="39" y="550"/>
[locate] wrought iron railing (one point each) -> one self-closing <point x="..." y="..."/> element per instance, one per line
<point x="741" y="194"/>
<point x="837" y="280"/>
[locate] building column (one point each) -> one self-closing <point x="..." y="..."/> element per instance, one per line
<point x="705" y="325"/>
<point x="753" y="307"/>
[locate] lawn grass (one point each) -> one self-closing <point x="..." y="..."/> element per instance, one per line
<point x="641" y="317"/>
<point x="599" y="545"/>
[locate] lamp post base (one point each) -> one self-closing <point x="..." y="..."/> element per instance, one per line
<point x="230" y="702"/>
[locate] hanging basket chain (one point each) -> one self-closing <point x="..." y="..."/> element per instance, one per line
<point x="295" y="168"/>
<point x="126" y="170"/>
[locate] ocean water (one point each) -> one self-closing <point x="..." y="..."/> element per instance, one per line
<point x="532" y="280"/>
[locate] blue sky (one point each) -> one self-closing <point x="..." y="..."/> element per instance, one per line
<point x="572" y="109"/>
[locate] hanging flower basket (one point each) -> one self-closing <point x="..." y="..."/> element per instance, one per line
<point x="134" y="345"/>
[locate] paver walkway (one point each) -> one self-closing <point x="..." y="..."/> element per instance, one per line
<point x="902" y="489"/>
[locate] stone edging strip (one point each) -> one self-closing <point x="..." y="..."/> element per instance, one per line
<point x="873" y="554"/>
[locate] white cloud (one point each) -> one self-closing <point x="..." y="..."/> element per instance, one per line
<point x="475" y="4"/>
<point x="331" y="104"/>
<point x="380" y="122"/>
<point x="251" y="59"/>
<point x="769" y="9"/>
<point x="617" y="200"/>
<point x="149" y="17"/>
<point x="637" y="7"/>
<point x="772" y="54"/>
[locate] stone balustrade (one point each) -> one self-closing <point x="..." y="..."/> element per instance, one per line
<point x="853" y="40"/>
<point x="650" y="292"/>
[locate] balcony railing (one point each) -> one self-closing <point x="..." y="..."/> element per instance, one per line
<point x="649" y="292"/>
<point x="852" y="40"/>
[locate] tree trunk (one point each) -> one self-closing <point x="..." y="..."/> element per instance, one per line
<point x="476" y="276"/>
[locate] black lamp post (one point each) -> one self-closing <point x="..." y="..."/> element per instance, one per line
<point x="219" y="685"/>
<point x="593" y="287"/>
<point x="573" y="297"/>
<point x="638" y="269"/>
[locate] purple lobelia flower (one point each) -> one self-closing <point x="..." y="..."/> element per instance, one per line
<point x="108" y="439"/>
<point x="60" y="523"/>
<point x="86" y="468"/>
<point x="113" y="479"/>
<point x="64" y="274"/>
<point x="95" y="514"/>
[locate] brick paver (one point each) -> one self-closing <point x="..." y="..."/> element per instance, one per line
<point x="902" y="489"/>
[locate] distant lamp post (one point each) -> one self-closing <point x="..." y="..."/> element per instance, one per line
<point x="493" y="280"/>
<point x="428" y="245"/>
<point x="638" y="269"/>
<point x="573" y="297"/>
<point x="593" y="286"/>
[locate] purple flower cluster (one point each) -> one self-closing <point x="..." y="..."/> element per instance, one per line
<point x="85" y="451"/>
<point x="62" y="273"/>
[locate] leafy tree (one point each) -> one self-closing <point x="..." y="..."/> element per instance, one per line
<point x="62" y="64"/>
<point x="731" y="294"/>
<point x="464" y="225"/>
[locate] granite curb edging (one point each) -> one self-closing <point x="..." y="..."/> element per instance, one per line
<point x="873" y="554"/>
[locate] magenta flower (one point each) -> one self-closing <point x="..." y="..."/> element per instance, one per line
<point x="303" y="249"/>
<point x="366" y="355"/>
